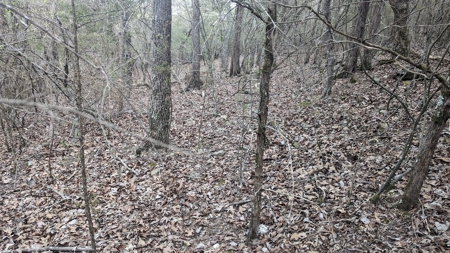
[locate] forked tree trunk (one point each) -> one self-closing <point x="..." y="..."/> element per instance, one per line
<point x="400" y="31"/>
<point x="358" y="32"/>
<point x="266" y="72"/>
<point x="194" y="81"/>
<point x="235" y="68"/>
<point x="330" y="50"/>
<point x="417" y="176"/>
<point x="160" y="111"/>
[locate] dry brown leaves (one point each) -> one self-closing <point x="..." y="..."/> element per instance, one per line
<point x="324" y="160"/>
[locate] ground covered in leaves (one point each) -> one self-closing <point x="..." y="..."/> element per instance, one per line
<point x="324" y="159"/>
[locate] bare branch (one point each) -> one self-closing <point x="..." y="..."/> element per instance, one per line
<point x="366" y="44"/>
<point x="51" y="248"/>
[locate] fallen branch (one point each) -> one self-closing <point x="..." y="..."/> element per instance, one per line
<point x="50" y="248"/>
<point x="290" y="195"/>
<point x="398" y="177"/>
<point x="231" y="204"/>
<point x="126" y="166"/>
<point x="57" y="192"/>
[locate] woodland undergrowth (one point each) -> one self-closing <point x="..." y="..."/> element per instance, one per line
<point x="324" y="159"/>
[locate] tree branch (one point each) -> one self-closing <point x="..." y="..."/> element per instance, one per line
<point x="248" y="7"/>
<point x="50" y="248"/>
<point x="364" y="42"/>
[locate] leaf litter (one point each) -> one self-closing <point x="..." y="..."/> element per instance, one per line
<point x="324" y="159"/>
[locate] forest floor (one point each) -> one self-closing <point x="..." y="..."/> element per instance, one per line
<point x="324" y="160"/>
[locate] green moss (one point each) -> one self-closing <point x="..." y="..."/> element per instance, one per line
<point x="220" y="182"/>
<point x="304" y="104"/>
<point x="375" y="199"/>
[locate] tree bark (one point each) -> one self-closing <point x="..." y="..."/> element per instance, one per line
<point x="160" y="111"/>
<point x="266" y="72"/>
<point x="358" y="32"/>
<point x="3" y="25"/>
<point x="368" y="54"/>
<point x="400" y="31"/>
<point x="194" y="81"/>
<point x="79" y="105"/>
<point x="310" y="45"/>
<point x="417" y="176"/>
<point x="235" y="68"/>
<point x="125" y="55"/>
<point x="226" y="40"/>
<point x="330" y="50"/>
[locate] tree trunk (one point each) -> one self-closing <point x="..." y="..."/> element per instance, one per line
<point x="194" y="81"/>
<point x="80" y="126"/>
<point x="266" y="72"/>
<point x="311" y="45"/>
<point x="125" y="56"/>
<point x="400" y="31"/>
<point x="160" y="111"/>
<point x="235" y="68"/>
<point x="226" y="41"/>
<point x="330" y="50"/>
<point x="368" y="54"/>
<point x="417" y="176"/>
<point x="3" y="25"/>
<point x="358" y="32"/>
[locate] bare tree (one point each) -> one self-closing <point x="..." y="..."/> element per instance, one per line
<point x="330" y="50"/>
<point x="226" y="38"/>
<point x="266" y="72"/>
<point x="79" y="105"/>
<point x="366" y="59"/>
<point x="427" y="147"/>
<point x="194" y="81"/>
<point x="310" y="45"/>
<point x="125" y="52"/>
<point x="235" y="68"/>
<point x="160" y="111"/>
<point x="358" y="32"/>
<point x="400" y="31"/>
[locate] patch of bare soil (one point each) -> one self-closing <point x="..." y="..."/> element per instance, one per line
<point x="323" y="162"/>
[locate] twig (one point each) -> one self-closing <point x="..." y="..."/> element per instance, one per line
<point x="279" y="131"/>
<point x="126" y="166"/>
<point x="299" y="197"/>
<point x="366" y="44"/>
<point x="50" y="248"/>
<point x="269" y="208"/>
<point x="404" y="151"/>
<point x="57" y="192"/>
<point x="71" y="176"/>
<point x="390" y="93"/>
<point x="233" y="204"/>
<point x="398" y="177"/>
<point x="89" y="117"/>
